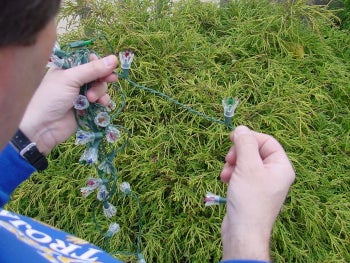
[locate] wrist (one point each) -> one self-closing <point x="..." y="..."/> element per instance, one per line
<point x="29" y="151"/>
<point x="246" y="242"/>
<point x="39" y="137"/>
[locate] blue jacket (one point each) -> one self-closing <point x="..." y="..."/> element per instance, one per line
<point x="23" y="239"/>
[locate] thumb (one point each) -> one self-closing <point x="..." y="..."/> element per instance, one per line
<point x="247" y="148"/>
<point x="93" y="70"/>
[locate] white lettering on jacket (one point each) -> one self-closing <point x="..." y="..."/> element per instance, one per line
<point x="44" y="244"/>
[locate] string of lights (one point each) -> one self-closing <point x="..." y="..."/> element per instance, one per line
<point x="104" y="140"/>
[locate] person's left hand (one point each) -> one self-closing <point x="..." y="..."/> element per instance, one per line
<point x="49" y="118"/>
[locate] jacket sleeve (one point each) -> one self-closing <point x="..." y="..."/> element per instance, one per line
<point x="13" y="171"/>
<point x="26" y="240"/>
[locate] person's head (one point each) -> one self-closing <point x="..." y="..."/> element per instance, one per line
<point x="27" y="35"/>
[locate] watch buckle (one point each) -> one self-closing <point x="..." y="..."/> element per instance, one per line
<point x="27" y="148"/>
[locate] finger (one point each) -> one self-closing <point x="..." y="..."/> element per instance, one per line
<point x="104" y="100"/>
<point x="110" y="78"/>
<point x="232" y="135"/>
<point x="94" y="70"/>
<point x="231" y="156"/>
<point x="226" y="172"/>
<point x="96" y="91"/>
<point x="247" y="148"/>
<point x="269" y="148"/>
<point x="274" y="156"/>
<point x="271" y="151"/>
<point x="93" y="56"/>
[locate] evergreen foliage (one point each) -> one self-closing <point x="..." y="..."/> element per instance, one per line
<point x="289" y="65"/>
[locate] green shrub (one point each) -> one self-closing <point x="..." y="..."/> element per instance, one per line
<point x="290" y="67"/>
<point x="345" y="15"/>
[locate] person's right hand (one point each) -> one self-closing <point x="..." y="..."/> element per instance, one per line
<point x="259" y="174"/>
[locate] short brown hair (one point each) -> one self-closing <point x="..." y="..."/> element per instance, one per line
<point x="22" y="20"/>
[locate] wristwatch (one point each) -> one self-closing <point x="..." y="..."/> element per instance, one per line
<point x="29" y="151"/>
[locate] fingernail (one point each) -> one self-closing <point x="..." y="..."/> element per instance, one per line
<point x="240" y="130"/>
<point x="108" y="61"/>
<point x="91" y="96"/>
<point x="230" y="152"/>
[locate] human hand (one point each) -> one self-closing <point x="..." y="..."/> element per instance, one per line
<point x="259" y="174"/>
<point x="49" y="118"/>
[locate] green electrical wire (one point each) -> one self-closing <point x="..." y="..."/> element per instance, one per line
<point x="125" y="76"/>
<point x="174" y="101"/>
<point x="77" y="53"/>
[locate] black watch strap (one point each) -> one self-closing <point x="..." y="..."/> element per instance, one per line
<point x="29" y="151"/>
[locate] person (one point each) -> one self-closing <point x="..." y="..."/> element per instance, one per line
<point x="37" y="114"/>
